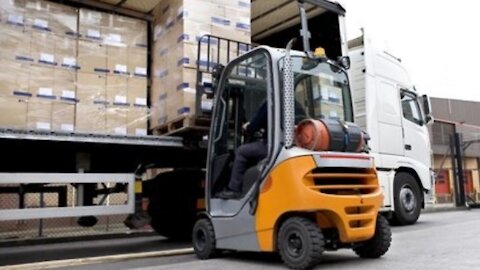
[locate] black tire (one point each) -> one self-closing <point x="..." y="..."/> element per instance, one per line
<point x="203" y="239"/>
<point x="380" y="242"/>
<point x="300" y="243"/>
<point x="408" y="199"/>
<point x="173" y="203"/>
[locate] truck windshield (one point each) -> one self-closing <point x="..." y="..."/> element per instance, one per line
<point x="321" y="91"/>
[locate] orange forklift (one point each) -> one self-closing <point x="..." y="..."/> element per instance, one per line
<point x="317" y="189"/>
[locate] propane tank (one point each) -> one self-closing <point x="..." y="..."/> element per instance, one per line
<point x="329" y="135"/>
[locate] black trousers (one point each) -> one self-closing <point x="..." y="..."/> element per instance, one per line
<point x="247" y="154"/>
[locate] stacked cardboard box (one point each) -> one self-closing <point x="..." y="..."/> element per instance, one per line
<point x="54" y="78"/>
<point x="178" y="27"/>
<point x="111" y="80"/>
<point x="37" y="43"/>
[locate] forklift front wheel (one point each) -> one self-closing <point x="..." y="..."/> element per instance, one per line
<point x="300" y="243"/>
<point x="204" y="243"/>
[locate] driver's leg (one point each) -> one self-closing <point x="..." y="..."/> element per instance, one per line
<point x="247" y="153"/>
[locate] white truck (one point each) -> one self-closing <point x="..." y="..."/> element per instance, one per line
<point x="395" y="116"/>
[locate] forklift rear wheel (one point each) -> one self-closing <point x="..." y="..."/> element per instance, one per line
<point x="204" y="243"/>
<point x="300" y="243"/>
<point x="380" y="242"/>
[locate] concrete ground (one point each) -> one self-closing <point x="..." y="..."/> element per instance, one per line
<point x="440" y="240"/>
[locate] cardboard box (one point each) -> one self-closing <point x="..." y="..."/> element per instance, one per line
<point x="137" y="61"/>
<point x="117" y="90"/>
<point x="37" y="15"/>
<point x="117" y="60"/>
<point x="138" y="36"/>
<point x="92" y="57"/>
<point x="158" y="105"/>
<point x="137" y="91"/>
<point x="14" y="43"/>
<point x="12" y="11"/>
<point x="66" y="51"/>
<point x="41" y="82"/>
<point x="64" y="20"/>
<point x="43" y="48"/>
<point x="91" y="88"/>
<point x="90" y="118"/>
<point x="14" y="79"/>
<point x="137" y="121"/>
<point x="63" y="116"/>
<point x="93" y="25"/>
<point x="117" y="120"/>
<point x="64" y="85"/>
<point x="39" y="114"/>
<point x="13" y="112"/>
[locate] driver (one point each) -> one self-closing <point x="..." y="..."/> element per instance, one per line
<point x="252" y="152"/>
<point x="249" y="153"/>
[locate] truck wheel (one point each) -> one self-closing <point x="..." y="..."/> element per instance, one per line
<point x="300" y="243"/>
<point x="172" y="207"/>
<point x="380" y="242"/>
<point x="407" y="199"/>
<point x="203" y="236"/>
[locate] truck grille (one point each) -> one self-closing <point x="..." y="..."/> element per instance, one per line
<point x="343" y="182"/>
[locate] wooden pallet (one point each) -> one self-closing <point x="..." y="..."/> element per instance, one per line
<point x="184" y="125"/>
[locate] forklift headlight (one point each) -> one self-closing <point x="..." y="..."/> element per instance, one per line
<point x="344" y="61"/>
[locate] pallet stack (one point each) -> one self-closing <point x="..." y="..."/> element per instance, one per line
<point x="72" y="70"/>
<point x="178" y="27"/>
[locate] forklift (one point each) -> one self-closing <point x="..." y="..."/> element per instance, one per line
<point x="298" y="201"/>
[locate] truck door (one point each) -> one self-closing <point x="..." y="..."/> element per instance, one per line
<point x="416" y="138"/>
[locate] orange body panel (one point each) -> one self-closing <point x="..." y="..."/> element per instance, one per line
<point x="291" y="188"/>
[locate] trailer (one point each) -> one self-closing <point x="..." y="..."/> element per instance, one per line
<point x="100" y="165"/>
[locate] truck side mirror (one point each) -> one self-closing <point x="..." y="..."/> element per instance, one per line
<point x="427" y="109"/>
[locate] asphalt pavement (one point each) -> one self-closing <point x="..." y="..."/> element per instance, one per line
<point x="440" y="240"/>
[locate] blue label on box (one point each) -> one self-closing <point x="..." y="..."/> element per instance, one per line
<point x="183" y="61"/>
<point x="69" y="99"/>
<point x="15" y="23"/>
<point x="121" y="72"/>
<point x="93" y="37"/>
<point x="122" y="104"/>
<point x="220" y="20"/>
<point x="183" y="110"/>
<point x="47" y="62"/>
<point x="170" y="24"/>
<point x="46" y="96"/>
<point x="181" y="15"/>
<point x="21" y="93"/>
<point x="242" y="26"/>
<point x="103" y="70"/>
<point x="182" y="37"/>
<point x="165" y="9"/>
<point x="163" y="52"/>
<point x="182" y="86"/>
<point x="41" y="28"/>
<point x="206" y="39"/>
<point x="23" y="58"/>
<point x="140" y="75"/>
<point x="102" y="102"/>
<point x="71" y="66"/>
<point x="71" y="33"/>
<point x="163" y="73"/>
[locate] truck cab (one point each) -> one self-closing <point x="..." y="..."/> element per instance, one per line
<point x="396" y="116"/>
